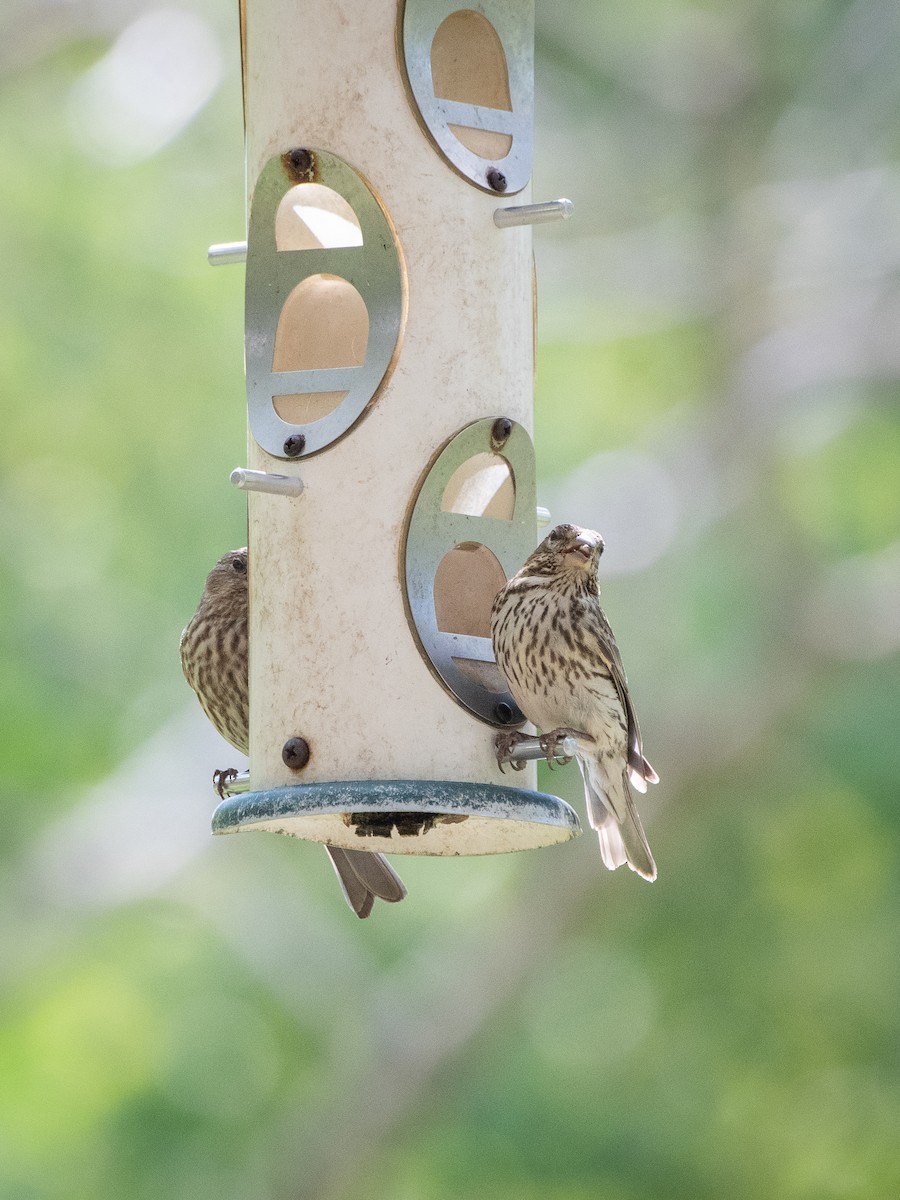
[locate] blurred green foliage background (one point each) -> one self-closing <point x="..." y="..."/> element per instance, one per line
<point x="717" y="392"/>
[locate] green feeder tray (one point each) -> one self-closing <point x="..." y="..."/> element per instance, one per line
<point x="404" y="816"/>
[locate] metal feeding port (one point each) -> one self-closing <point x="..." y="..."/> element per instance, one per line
<point x="325" y="302"/>
<point x="471" y="78"/>
<point x="470" y="529"/>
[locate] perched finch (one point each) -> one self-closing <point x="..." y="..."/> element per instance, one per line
<point x="560" y="659"/>
<point x="214" y="658"/>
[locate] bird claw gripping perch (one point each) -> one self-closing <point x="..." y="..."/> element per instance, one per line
<point x="222" y="778"/>
<point x="518" y="748"/>
<point x="557" y="744"/>
<point x="505" y="745"/>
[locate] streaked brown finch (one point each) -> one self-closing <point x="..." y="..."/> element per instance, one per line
<point x="560" y="659"/>
<point x="215" y="660"/>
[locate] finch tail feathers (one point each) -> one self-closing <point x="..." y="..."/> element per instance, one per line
<point x="612" y="814"/>
<point x="364" y="877"/>
<point x="640" y="773"/>
<point x="649" y="774"/>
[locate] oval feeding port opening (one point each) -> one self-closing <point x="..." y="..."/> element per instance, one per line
<point x="325" y="303"/>
<point x="467" y="579"/>
<point x="312" y="216"/>
<point x="324" y="323"/>
<point x="482" y="486"/>
<point x="468" y="65"/>
<point x="470" y="528"/>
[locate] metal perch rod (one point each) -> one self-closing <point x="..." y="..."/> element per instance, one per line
<point x="528" y="749"/>
<point x="223" y="254"/>
<point x="265" y="481"/>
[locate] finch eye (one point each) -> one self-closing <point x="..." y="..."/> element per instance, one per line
<point x="240" y="565"/>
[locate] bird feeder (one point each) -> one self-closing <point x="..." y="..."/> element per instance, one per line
<point x="391" y="475"/>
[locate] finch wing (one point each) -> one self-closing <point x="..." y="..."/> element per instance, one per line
<point x="640" y="773"/>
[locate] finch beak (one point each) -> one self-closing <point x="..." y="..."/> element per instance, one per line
<point x="584" y="546"/>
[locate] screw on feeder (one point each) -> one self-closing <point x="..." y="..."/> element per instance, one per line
<point x="295" y="753"/>
<point x="294" y="445"/>
<point x="504" y="713"/>
<point x="300" y="165"/>
<point x="496" y="180"/>
<point x="500" y="431"/>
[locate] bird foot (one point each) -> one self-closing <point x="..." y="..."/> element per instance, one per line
<point x="505" y="744"/>
<point x="551" y="743"/>
<point x="222" y="778"/>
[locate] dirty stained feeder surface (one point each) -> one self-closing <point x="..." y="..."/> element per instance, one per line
<point x="402" y="816"/>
